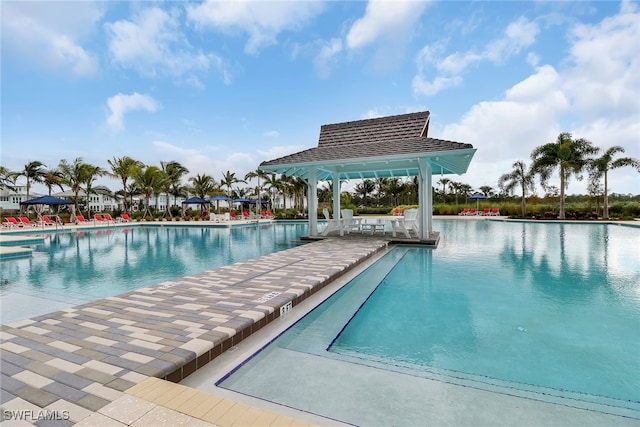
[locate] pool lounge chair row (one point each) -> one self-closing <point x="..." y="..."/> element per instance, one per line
<point x="23" y="221"/>
<point x="485" y="212"/>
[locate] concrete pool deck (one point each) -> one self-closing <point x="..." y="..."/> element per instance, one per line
<point x="74" y="365"/>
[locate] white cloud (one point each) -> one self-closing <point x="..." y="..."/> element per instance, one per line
<point x="153" y="44"/>
<point x="271" y="134"/>
<point x="51" y="33"/>
<point x="120" y="104"/>
<point x="262" y="21"/>
<point x="518" y="35"/>
<point x="384" y="18"/>
<point x="604" y="73"/>
<point x="326" y="58"/>
<point x="595" y="96"/>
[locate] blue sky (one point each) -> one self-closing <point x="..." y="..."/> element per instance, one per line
<point x="222" y="86"/>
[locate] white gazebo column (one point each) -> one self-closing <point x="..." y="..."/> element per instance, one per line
<point x="425" y="198"/>
<point x="336" y="194"/>
<point x="312" y="185"/>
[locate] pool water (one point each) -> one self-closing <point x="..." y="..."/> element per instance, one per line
<point x="72" y="268"/>
<point x="547" y="312"/>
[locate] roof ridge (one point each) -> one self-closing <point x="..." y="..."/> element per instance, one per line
<point x="417" y="114"/>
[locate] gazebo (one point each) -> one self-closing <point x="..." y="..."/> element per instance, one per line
<point x="394" y="146"/>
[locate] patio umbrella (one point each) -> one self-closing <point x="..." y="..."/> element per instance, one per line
<point x="217" y="200"/>
<point x="194" y="201"/>
<point x="477" y="197"/>
<point x="46" y="200"/>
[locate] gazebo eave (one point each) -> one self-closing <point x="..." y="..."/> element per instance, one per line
<point x="443" y="163"/>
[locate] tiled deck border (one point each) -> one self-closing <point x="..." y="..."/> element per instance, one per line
<point x="81" y="359"/>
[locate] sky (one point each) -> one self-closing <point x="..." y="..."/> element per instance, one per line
<point x="223" y="86"/>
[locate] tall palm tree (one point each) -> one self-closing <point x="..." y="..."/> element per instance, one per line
<point x="202" y="185"/>
<point x="519" y="176"/>
<point x="271" y="184"/>
<point x="124" y="168"/>
<point x="72" y="177"/>
<point x="89" y="174"/>
<point x="259" y="174"/>
<point x="365" y="188"/>
<point x="7" y="178"/>
<point x="228" y="180"/>
<point x="444" y="182"/>
<point x="173" y="173"/>
<point x="569" y="155"/>
<point x="148" y="180"/>
<point x="53" y="178"/>
<point x="34" y="172"/>
<point x="299" y="188"/>
<point x="603" y="164"/>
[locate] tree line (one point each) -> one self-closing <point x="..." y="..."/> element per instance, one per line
<point x="568" y="156"/>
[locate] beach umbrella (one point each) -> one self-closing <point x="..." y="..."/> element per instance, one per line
<point x="194" y="201"/>
<point x="477" y="197"/>
<point x="39" y="202"/>
<point x="217" y="199"/>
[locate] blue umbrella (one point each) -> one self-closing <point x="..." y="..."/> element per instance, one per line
<point x="46" y="200"/>
<point x="477" y="197"/>
<point x="241" y="200"/>
<point x="217" y="200"/>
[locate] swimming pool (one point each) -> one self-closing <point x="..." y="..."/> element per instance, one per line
<point x="537" y="312"/>
<point x="75" y="267"/>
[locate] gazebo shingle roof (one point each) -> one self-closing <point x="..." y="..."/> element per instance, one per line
<point x="379" y="137"/>
<point x="371" y="140"/>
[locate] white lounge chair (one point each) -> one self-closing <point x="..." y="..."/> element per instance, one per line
<point x="333" y="224"/>
<point x="406" y="224"/>
<point x="349" y="223"/>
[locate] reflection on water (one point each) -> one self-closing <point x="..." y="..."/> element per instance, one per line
<point x="76" y="267"/>
<point x="548" y="311"/>
<point x="553" y="305"/>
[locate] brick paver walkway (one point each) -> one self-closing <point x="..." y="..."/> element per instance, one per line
<point x="79" y="360"/>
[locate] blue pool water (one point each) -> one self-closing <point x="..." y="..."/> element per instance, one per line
<point x="72" y="268"/>
<point x="547" y="312"/>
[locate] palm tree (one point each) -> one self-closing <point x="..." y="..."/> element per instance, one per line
<point x="271" y="184"/>
<point x="365" y="188"/>
<point x="603" y="164"/>
<point x="89" y="174"/>
<point x="228" y="180"/>
<point x="34" y="172"/>
<point x="444" y="182"/>
<point x="521" y="176"/>
<point x="487" y="190"/>
<point x="173" y="173"/>
<point x="52" y="178"/>
<point x="7" y="178"/>
<point x="202" y="185"/>
<point x="568" y="154"/>
<point x="148" y="180"/>
<point x="72" y="177"/>
<point x="124" y="168"/>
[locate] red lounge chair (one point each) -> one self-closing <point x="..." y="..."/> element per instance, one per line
<point x="108" y="218"/>
<point x="25" y="221"/>
<point x="125" y="217"/>
<point x="486" y="211"/>
<point x="81" y="220"/>
<point x="232" y="214"/>
<point x="473" y="211"/>
<point x="99" y="218"/>
<point x="464" y="212"/>
<point x="495" y="212"/>
<point x="45" y="220"/>
<point x="11" y="222"/>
